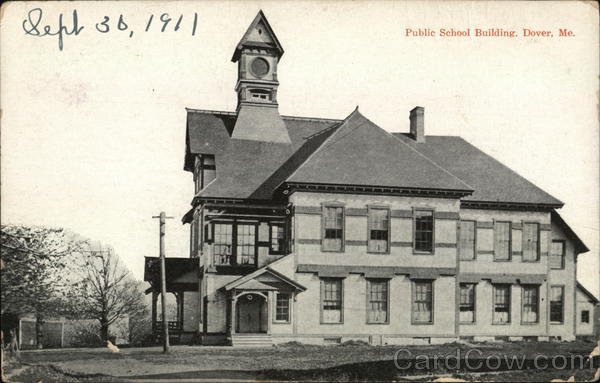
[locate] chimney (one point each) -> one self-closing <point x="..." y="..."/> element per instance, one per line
<point x="417" y="123"/>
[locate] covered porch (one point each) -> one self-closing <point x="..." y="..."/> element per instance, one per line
<point x="182" y="276"/>
<point x="256" y="302"/>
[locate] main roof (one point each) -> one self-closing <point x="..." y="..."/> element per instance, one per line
<point x="353" y="151"/>
<point x="361" y="153"/>
<point x="491" y="180"/>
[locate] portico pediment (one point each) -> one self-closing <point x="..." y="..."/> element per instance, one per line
<point x="264" y="279"/>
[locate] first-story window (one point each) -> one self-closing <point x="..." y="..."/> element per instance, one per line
<point x="467" y="240"/>
<point x="223" y="243"/>
<point x="501" y="313"/>
<point x="377" y="300"/>
<point x="530" y="304"/>
<point x="422" y="302"/>
<point x="502" y="241"/>
<point x="277" y="238"/>
<point x="557" y="255"/>
<point x="282" y="307"/>
<point x="530" y="241"/>
<point x="423" y="231"/>
<point x="467" y="303"/>
<point x="379" y="230"/>
<point x="331" y="300"/>
<point x="333" y="228"/>
<point x="557" y="302"/>
<point x="585" y="316"/>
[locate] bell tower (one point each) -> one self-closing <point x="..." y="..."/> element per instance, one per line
<point x="257" y="55"/>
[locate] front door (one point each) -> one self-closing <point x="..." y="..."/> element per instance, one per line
<point x="249" y="313"/>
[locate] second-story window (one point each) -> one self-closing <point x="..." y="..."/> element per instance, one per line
<point x="501" y="241"/>
<point x="530" y="242"/>
<point x="333" y="228"/>
<point x="246" y="244"/>
<point x="467" y="240"/>
<point x="379" y="229"/>
<point x="277" y="238"/>
<point x="557" y="255"/>
<point x="423" y="231"/>
<point x="223" y="243"/>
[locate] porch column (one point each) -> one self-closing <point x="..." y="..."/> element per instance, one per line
<point x="294" y="314"/>
<point x="270" y="295"/>
<point x="154" y="298"/>
<point x="179" y="299"/>
<point x="182" y="300"/>
<point x="233" y="313"/>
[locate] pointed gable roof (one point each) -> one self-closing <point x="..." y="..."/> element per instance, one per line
<point x="580" y="247"/>
<point x="361" y="153"/>
<point x="587" y="293"/>
<point x="258" y="34"/>
<point x="264" y="276"/>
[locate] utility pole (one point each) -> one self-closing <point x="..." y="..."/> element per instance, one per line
<point x="163" y="280"/>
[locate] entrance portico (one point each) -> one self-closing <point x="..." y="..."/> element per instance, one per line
<point x="252" y="300"/>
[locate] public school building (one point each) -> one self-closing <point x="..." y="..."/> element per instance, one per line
<point x="322" y="230"/>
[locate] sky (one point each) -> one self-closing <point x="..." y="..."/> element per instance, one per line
<point x="93" y="135"/>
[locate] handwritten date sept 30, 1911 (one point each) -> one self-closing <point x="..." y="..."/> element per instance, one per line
<point x="33" y="25"/>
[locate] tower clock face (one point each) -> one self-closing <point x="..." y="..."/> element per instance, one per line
<point x="259" y="67"/>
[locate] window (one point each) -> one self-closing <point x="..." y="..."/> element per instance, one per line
<point x="223" y="243"/>
<point x="204" y="171"/>
<point x="529" y="310"/>
<point x="557" y="301"/>
<point x="530" y="241"/>
<point x="422" y="302"/>
<point x="557" y="255"/>
<point x="198" y="176"/>
<point x="377" y="300"/>
<point x="467" y="240"/>
<point x="379" y="228"/>
<point x="467" y="303"/>
<point x="246" y="241"/>
<point x="277" y="238"/>
<point x="333" y="228"/>
<point x="423" y="236"/>
<point x="193" y="238"/>
<point x="585" y="316"/>
<point x="501" y="241"/>
<point x="260" y="95"/>
<point x="282" y="307"/>
<point x="331" y="300"/>
<point x="501" y="313"/>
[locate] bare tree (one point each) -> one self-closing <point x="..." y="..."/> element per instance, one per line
<point x="106" y="292"/>
<point x="32" y="277"/>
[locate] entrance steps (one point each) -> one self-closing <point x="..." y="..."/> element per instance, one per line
<point x="251" y="340"/>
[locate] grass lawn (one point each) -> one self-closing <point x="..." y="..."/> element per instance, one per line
<point x="354" y="362"/>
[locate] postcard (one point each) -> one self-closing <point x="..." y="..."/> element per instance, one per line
<point x="300" y="191"/>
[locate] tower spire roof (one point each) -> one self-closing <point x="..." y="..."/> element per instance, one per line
<point x="259" y="34"/>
